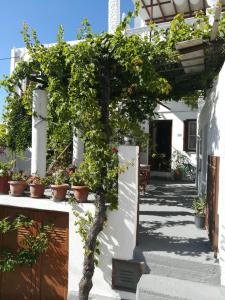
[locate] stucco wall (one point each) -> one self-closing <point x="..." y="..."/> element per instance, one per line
<point x="117" y="240"/>
<point x="212" y="134"/>
<point x="178" y="112"/>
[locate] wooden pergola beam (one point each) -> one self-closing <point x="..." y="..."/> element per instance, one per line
<point x="174" y="6"/>
<point x="146" y="8"/>
<point x="204" y="5"/>
<point x="170" y="17"/>
<point x="189" y="6"/>
<point x="156" y="4"/>
<point x="161" y="10"/>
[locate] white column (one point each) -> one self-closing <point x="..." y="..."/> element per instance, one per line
<point x="78" y="150"/>
<point x="39" y="132"/>
<point x="117" y="240"/>
<point x="113" y="15"/>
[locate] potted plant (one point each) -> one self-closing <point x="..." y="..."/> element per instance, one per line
<point x="18" y="183"/>
<point x="78" y="187"/>
<point x="60" y="186"/>
<point x="199" y="207"/>
<point x="178" y="173"/>
<point x="37" y="185"/>
<point x="5" y="176"/>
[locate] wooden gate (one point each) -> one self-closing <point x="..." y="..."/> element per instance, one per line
<point x="212" y="200"/>
<point x="47" y="279"/>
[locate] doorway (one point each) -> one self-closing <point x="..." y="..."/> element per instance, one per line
<point x="160" y="145"/>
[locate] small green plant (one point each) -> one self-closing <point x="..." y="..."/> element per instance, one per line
<point x="35" y="179"/>
<point x="32" y="246"/>
<point x="60" y="177"/>
<point x="76" y="178"/>
<point x="199" y="206"/>
<point x="83" y="224"/>
<point x="6" y="168"/>
<point x="19" y="176"/>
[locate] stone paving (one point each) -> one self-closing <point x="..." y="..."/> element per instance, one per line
<point x="167" y="223"/>
<point x="179" y="263"/>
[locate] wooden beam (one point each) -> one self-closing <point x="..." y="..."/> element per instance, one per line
<point x="170" y="17"/>
<point x="204" y="6"/>
<point x="161" y="10"/>
<point x="189" y="6"/>
<point x="152" y="10"/>
<point x="174" y="6"/>
<point x="144" y="5"/>
<point x="156" y="4"/>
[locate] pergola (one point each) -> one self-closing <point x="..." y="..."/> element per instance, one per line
<point x="197" y="55"/>
<point x="161" y="11"/>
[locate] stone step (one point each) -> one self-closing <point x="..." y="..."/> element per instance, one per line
<point x="180" y="268"/>
<point x="155" y="287"/>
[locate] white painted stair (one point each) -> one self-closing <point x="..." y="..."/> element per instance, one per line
<point x="155" y="287"/>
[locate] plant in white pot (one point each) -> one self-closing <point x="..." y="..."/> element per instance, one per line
<point x="199" y="207"/>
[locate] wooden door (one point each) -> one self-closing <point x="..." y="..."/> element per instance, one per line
<point x="47" y="279"/>
<point x="212" y="200"/>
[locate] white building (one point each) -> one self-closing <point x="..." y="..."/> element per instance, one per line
<point x="173" y="130"/>
<point x="211" y="165"/>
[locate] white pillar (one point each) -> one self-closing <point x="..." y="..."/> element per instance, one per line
<point x="78" y="150"/>
<point x="113" y="15"/>
<point x="39" y="132"/>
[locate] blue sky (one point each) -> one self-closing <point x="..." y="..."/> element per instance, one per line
<point x="45" y="16"/>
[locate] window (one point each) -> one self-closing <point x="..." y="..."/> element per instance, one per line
<point x="190" y="130"/>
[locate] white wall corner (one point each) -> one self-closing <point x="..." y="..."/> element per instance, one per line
<point x="113" y="15"/>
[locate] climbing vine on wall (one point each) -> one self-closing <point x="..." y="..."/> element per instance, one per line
<point x="30" y="248"/>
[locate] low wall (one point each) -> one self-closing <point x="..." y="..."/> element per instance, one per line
<point x="118" y="239"/>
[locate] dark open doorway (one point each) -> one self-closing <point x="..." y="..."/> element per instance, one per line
<point x="160" y="145"/>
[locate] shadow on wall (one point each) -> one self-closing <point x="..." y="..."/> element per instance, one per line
<point x="209" y="129"/>
<point x="118" y="238"/>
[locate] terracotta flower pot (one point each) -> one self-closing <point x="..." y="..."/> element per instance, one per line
<point x="177" y="174"/>
<point x="37" y="190"/>
<point x="17" y="187"/>
<point x="4" y="184"/>
<point x="59" y="191"/>
<point x="80" y="192"/>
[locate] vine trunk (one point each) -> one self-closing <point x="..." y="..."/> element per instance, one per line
<point x="100" y="212"/>
<point x="89" y="264"/>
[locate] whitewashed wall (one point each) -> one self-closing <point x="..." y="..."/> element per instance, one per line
<point x="177" y="112"/>
<point x="212" y="133"/>
<point x="118" y="238"/>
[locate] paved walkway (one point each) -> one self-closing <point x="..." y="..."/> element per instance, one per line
<point x="167" y="223"/>
<point x="176" y="253"/>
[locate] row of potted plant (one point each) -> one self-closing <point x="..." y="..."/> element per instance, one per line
<point x="60" y="182"/>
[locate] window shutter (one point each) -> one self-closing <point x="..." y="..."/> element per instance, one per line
<point x="185" y="141"/>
